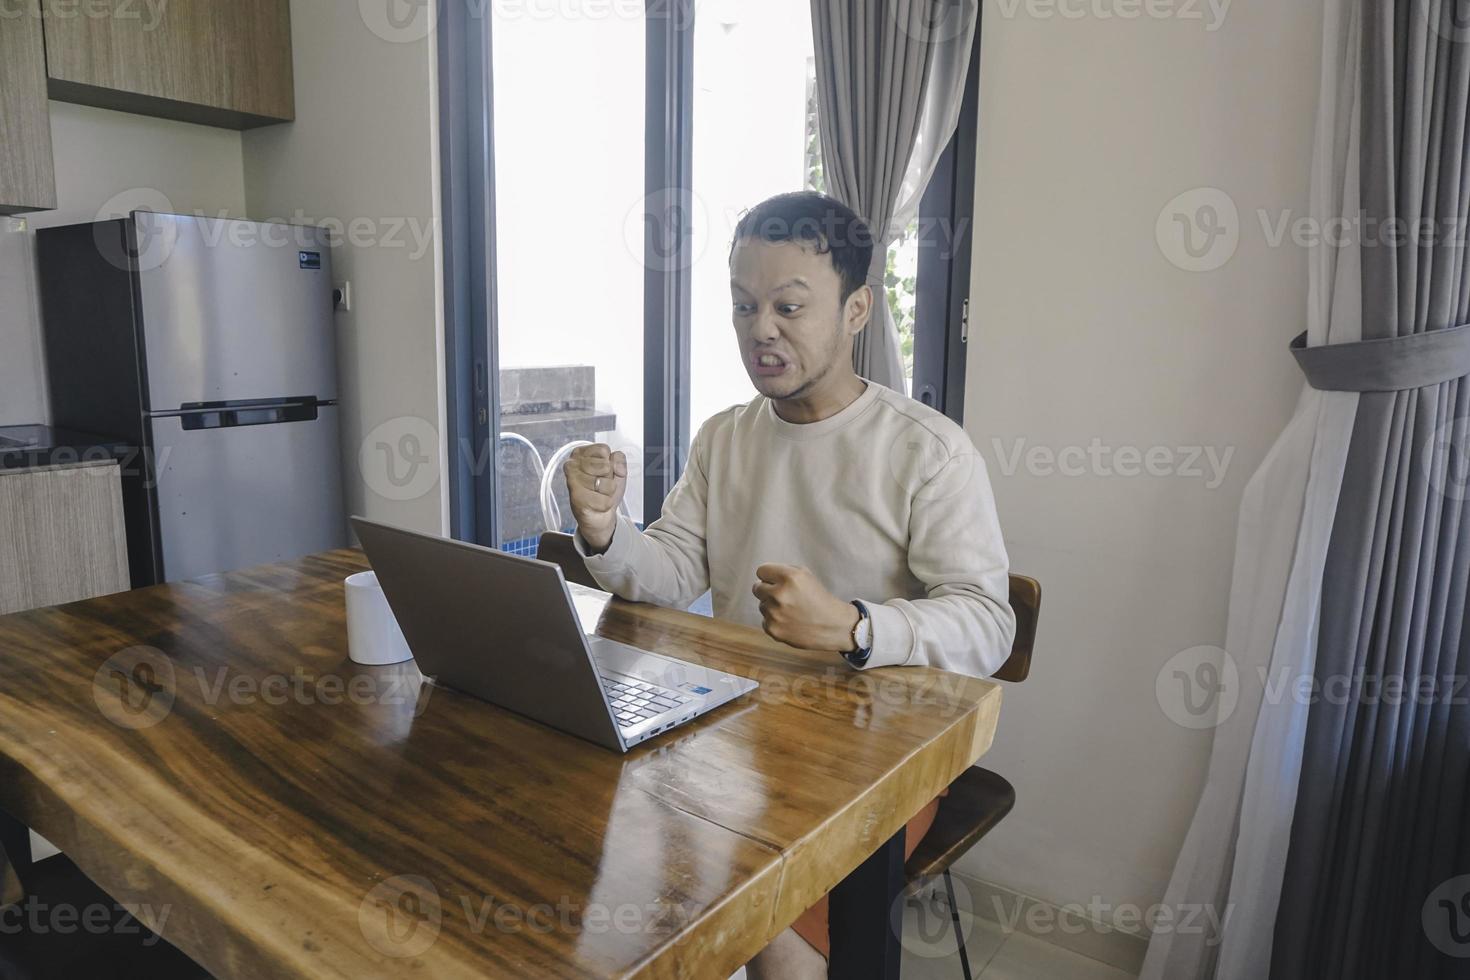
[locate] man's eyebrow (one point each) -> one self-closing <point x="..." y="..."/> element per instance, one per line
<point x="798" y="281"/>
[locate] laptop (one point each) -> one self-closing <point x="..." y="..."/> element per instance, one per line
<point x="505" y="629"/>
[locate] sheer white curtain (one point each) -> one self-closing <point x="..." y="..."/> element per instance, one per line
<point x="872" y="56"/>
<point x="1235" y="852"/>
<point x="939" y="117"/>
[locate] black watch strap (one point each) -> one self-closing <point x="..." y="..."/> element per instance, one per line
<point x="860" y="656"/>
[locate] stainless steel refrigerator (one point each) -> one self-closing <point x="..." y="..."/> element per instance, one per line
<point x="209" y="344"/>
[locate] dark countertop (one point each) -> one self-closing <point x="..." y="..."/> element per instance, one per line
<point x="45" y="445"/>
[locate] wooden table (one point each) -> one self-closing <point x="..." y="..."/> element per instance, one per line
<point x="208" y="747"/>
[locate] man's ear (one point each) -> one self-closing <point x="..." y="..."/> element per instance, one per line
<point x="859" y="310"/>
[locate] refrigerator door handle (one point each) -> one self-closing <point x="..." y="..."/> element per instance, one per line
<point x="197" y="416"/>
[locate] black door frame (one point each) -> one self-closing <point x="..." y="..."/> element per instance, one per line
<point x="668" y="247"/>
<point x="467" y="189"/>
<point x="946" y="234"/>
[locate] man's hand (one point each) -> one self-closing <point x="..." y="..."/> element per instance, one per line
<point x="597" y="478"/>
<point x="797" y="609"/>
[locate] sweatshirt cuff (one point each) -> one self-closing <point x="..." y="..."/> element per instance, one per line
<point x="619" y="551"/>
<point x="893" y="636"/>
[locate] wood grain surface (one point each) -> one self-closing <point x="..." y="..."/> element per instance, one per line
<point x="62" y="534"/>
<point x="27" y="175"/>
<point x="219" y="62"/>
<point x="206" y="750"/>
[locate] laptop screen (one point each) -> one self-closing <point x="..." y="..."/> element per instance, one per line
<point x="589" y="604"/>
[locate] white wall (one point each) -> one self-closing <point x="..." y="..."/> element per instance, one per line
<point x="360" y="157"/>
<point x="106" y="164"/>
<point x="1083" y="330"/>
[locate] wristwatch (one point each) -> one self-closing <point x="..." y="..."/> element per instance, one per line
<point x="862" y="637"/>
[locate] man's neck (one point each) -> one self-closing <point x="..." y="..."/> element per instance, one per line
<point x="822" y="402"/>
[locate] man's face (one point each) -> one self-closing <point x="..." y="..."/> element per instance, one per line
<point x="793" y="325"/>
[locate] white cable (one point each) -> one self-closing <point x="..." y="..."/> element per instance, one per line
<point x="550" y="509"/>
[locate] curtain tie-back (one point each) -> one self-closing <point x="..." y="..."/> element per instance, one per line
<point x="1388" y="363"/>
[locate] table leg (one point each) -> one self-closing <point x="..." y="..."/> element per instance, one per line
<point x="860" y="919"/>
<point x="15" y="839"/>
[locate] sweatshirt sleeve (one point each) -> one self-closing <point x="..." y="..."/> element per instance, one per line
<point x="667" y="563"/>
<point x="965" y="622"/>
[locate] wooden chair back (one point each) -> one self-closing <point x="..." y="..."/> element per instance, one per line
<point x="1026" y="602"/>
<point x="558" y="549"/>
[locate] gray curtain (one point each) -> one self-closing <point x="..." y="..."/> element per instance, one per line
<point x="890" y="79"/>
<point x="1382" y="823"/>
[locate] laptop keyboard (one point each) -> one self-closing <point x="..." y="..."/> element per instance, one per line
<point x="634" y="701"/>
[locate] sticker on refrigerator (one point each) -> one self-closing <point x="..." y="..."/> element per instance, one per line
<point x="310" y="260"/>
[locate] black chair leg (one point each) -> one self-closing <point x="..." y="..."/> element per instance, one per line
<point x="954" y="915"/>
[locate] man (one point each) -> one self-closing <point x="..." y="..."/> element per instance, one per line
<point x="833" y="513"/>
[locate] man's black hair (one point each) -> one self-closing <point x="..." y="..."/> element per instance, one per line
<point x="816" y="221"/>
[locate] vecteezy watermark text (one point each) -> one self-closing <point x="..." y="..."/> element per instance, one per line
<point x="1201" y="229"/>
<point x="1211" y="13"/>
<point x="304" y="688"/>
<point x="1200" y="688"/>
<point x="402" y="916"/>
<point x="1446" y="917"/>
<point x="137" y="688"/>
<point x="36" y="917"/>
<point x="149" y="12"/>
<point x="1207" y="463"/>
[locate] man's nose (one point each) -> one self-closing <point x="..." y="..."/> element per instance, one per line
<point x="764" y="330"/>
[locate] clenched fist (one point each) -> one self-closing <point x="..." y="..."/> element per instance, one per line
<point x="596" y="478"/>
<point x="797" y="609"/>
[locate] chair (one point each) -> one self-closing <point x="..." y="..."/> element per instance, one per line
<point x="977" y="801"/>
<point x="559" y="549"/>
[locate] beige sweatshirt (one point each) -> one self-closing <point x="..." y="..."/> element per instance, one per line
<point x="887" y="501"/>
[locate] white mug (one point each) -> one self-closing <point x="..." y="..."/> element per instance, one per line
<point x="373" y="635"/>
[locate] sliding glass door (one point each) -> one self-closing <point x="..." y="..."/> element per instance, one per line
<point x="596" y="160"/>
<point x="568" y="155"/>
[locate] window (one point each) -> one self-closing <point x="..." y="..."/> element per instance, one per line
<point x="756" y="134"/>
<point x="586" y="273"/>
<point x="568" y="157"/>
<point x="752" y="97"/>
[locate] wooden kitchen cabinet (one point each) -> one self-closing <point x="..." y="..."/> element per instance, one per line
<point x="62" y="537"/>
<point x="217" y="62"/>
<point x="27" y="176"/>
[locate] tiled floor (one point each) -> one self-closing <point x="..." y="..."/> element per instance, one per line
<point x="929" y="953"/>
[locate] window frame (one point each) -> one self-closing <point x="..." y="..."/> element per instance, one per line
<point x="467" y="206"/>
<point x="942" y="291"/>
<point x="668" y="315"/>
